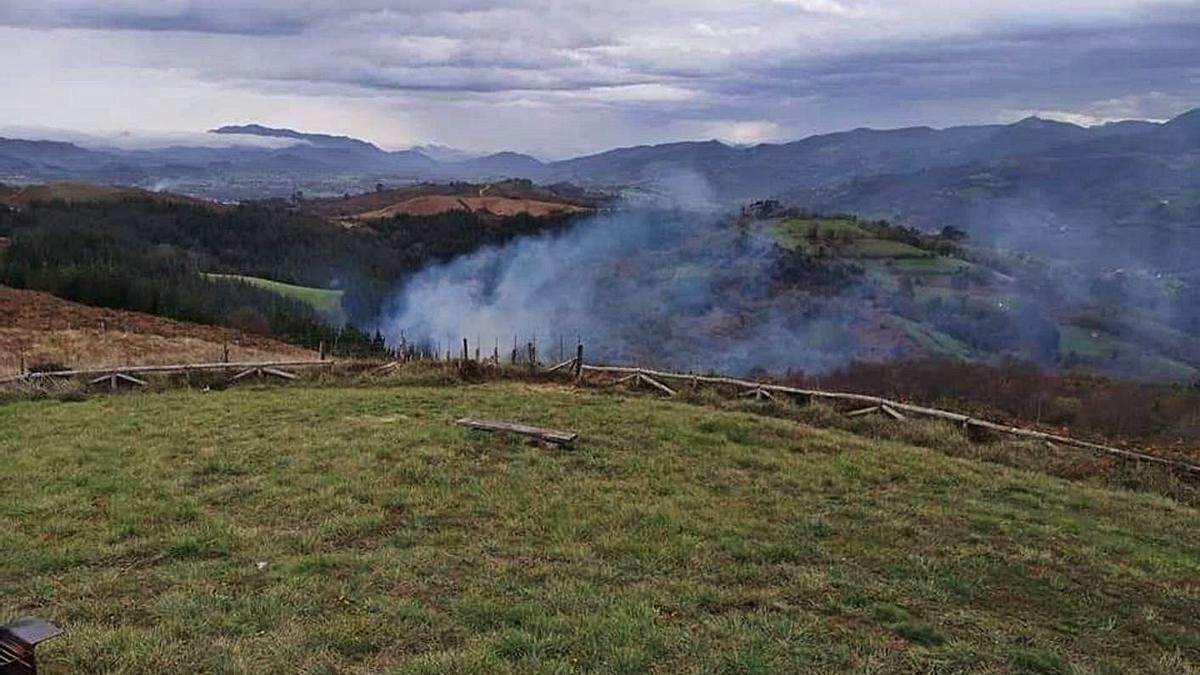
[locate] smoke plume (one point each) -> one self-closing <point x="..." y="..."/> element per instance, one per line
<point x="671" y="287"/>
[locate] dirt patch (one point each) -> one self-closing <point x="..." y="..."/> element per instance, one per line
<point x="429" y="205"/>
<point x="37" y="327"/>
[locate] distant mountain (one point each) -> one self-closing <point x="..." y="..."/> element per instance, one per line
<point x="319" y="140"/>
<point x="52" y="157"/>
<point x="320" y="152"/>
<point x="443" y="153"/>
<point x="1127" y="197"/>
<point x="1082" y="191"/>
<point x="498" y="165"/>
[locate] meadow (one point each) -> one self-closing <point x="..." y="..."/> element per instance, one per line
<point x="326" y="301"/>
<point x="314" y="529"/>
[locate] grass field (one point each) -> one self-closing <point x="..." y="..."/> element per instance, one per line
<point x="847" y="240"/>
<point x="1096" y="347"/>
<point x="358" y="530"/>
<point x="931" y="339"/>
<point x="324" y="300"/>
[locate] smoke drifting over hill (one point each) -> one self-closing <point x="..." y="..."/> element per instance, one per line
<point x="672" y="287"/>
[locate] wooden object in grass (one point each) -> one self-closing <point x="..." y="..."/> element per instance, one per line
<point x="263" y="371"/>
<point x="538" y="433"/>
<point x="18" y="641"/>
<point x="863" y="411"/>
<point x="115" y="379"/>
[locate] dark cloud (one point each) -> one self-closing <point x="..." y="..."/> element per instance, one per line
<point x="654" y="69"/>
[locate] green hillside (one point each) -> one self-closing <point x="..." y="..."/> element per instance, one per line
<point x="325" y="301"/>
<point x="358" y="530"/>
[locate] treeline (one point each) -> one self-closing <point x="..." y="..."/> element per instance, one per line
<point x="148" y="256"/>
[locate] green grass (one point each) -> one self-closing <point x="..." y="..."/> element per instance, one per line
<point x="1100" y="348"/>
<point x="1086" y="343"/>
<point x="932" y="265"/>
<point x="326" y="301"/>
<point x="794" y="233"/>
<point x="358" y="530"/>
<point x="932" y="340"/>
<point x="845" y="239"/>
<point x="882" y="248"/>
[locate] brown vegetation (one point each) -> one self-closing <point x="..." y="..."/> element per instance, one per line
<point x="1161" y="419"/>
<point x="448" y="193"/>
<point x="431" y="205"/>
<point x="40" y="328"/>
<point x="20" y="197"/>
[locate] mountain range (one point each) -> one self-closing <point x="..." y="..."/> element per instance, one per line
<point x="1100" y="193"/>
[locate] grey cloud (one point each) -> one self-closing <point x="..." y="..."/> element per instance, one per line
<point x="803" y="66"/>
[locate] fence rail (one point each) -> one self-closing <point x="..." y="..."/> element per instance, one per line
<point x="959" y="418"/>
<point x="654" y="378"/>
<point x="175" y="368"/>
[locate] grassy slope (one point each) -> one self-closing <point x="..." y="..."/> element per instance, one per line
<point x="849" y="240"/>
<point x="675" y="537"/>
<point x="324" y="300"/>
<point x="1093" y="346"/>
<point x="886" y="262"/>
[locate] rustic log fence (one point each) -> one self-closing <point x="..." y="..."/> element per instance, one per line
<point x="888" y="407"/>
<point x="635" y="376"/>
<point x="128" y="374"/>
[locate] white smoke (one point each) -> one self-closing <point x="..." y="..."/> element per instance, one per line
<point x="670" y="287"/>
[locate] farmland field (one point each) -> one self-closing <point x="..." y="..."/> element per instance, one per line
<point x="324" y="300"/>
<point x="358" y="530"/>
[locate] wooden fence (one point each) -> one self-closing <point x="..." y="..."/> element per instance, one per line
<point x="128" y="372"/>
<point x="656" y="379"/>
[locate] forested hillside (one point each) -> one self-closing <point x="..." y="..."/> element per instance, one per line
<point x="152" y="256"/>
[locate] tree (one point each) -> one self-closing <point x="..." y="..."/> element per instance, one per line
<point x="953" y="233"/>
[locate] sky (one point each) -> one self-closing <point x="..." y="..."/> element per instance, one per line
<point x="562" y="78"/>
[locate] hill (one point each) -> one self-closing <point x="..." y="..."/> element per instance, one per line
<point x="326" y="301"/>
<point x="500" y="198"/>
<point x="23" y="196"/>
<point x="432" y="205"/>
<point x="359" y="530"/>
<point x="38" y="328"/>
<point x="1118" y="195"/>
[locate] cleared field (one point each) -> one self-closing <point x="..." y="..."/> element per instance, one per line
<point x="844" y="237"/>
<point x="37" y="328"/>
<point x="932" y="340"/>
<point x="932" y="265"/>
<point x="1096" y="347"/>
<point x="324" y="300"/>
<point x="795" y="232"/>
<point x="430" y="205"/>
<point x="358" y="530"/>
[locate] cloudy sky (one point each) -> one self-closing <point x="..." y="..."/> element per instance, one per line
<point x="558" y="77"/>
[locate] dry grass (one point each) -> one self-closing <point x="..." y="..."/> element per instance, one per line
<point x="38" y="327"/>
<point x="90" y="348"/>
<point x="429" y="205"/>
